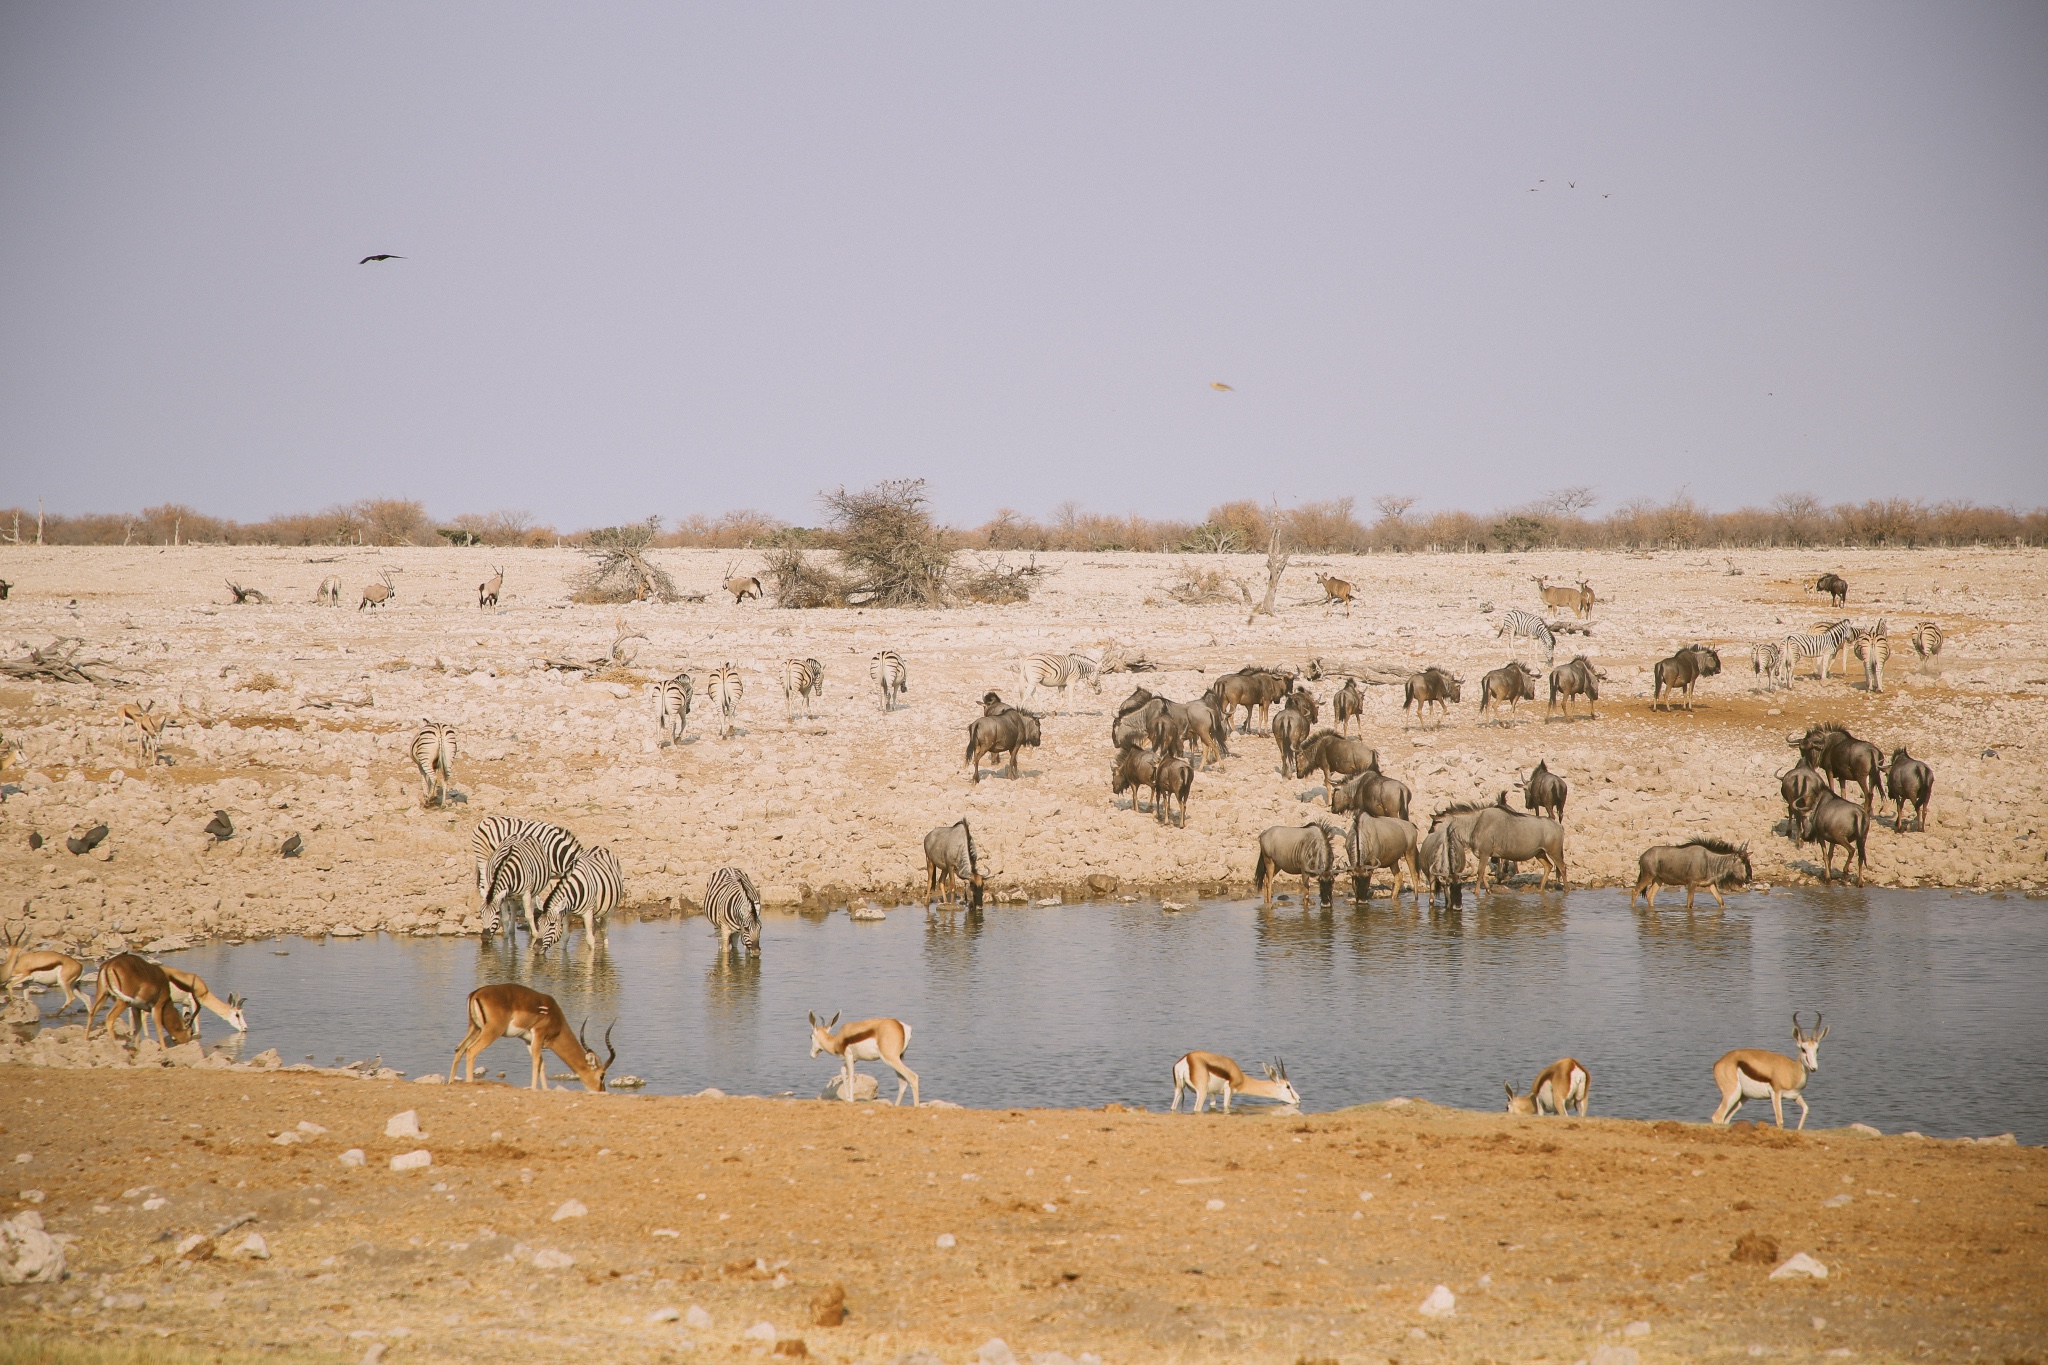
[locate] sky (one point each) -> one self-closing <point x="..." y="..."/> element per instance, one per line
<point x="684" y="258"/>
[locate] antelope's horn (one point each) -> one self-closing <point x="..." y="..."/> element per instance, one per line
<point x="611" y="1053"/>
<point x="580" y="1038"/>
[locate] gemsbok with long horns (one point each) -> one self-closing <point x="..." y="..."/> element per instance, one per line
<point x="1209" y="1074"/>
<point x="868" y="1040"/>
<point x="379" y="593"/>
<point x="1751" y="1073"/>
<point x="521" y="1012"/>
<point x="488" y="590"/>
<point x="1557" y="1087"/>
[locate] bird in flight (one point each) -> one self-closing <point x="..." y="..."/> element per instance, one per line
<point x="1221" y="387"/>
<point x="384" y="256"/>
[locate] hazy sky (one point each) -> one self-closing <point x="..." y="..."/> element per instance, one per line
<point x="681" y="258"/>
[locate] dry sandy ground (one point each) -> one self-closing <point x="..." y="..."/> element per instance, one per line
<point x="1133" y="1237"/>
<point x="837" y="805"/>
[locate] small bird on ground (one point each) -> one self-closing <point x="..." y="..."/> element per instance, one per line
<point x="292" y="845"/>
<point x="381" y="256"/>
<point x="1221" y="387"/>
<point x="220" y="827"/>
<point x="35" y="838"/>
<point x="88" y="841"/>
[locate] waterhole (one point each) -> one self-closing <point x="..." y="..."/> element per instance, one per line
<point x="1935" y="1002"/>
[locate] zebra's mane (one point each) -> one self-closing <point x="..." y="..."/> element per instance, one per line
<point x="1711" y="845"/>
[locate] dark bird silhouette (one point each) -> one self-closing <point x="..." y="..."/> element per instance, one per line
<point x="220" y="827"/>
<point x="1571" y="184"/>
<point x="292" y="846"/>
<point x="381" y="256"/>
<point x="35" y="838"/>
<point x="88" y="841"/>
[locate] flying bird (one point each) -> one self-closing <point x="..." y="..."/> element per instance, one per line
<point x="381" y="256"/>
<point x="1220" y="386"/>
<point x="220" y="827"/>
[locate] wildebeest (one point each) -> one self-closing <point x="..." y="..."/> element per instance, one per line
<point x="1681" y="672"/>
<point x="1133" y="770"/>
<point x="1544" y="791"/>
<point x="1133" y="719"/>
<point x="1335" y="590"/>
<point x="951" y="859"/>
<point x="1834" y="585"/>
<point x="1300" y="699"/>
<point x="1290" y="730"/>
<point x="1250" y="688"/>
<point x="488" y="590"/>
<point x="1003" y="733"/>
<point x="1842" y="757"/>
<point x="1432" y="686"/>
<point x="1801" y="785"/>
<point x="1834" y="822"/>
<point x="1711" y="863"/>
<point x="1349" y="705"/>
<point x="1378" y="841"/>
<point x="1909" y="783"/>
<point x="1372" y="792"/>
<point x="1574" y="679"/>
<point x="1302" y="850"/>
<point x="742" y="588"/>
<point x="1173" y="777"/>
<point x="1442" y="858"/>
<point x="1513" y="837"/>
<point x="1512" y="684"/>
<point x="1330" y="754"/>
<point x="1179" y="722"/>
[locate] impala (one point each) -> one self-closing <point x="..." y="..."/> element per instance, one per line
<point x="193" y="992"/>
<point x="1750" y="1073"/>
<point x="867" y="1040"/>
<point x="1557" y="1087"/>
<point x="41" y="967"/>
<point x="1212" y="1073"/>
<point x="495" y="1011"/>
<point x="142" y="988"/>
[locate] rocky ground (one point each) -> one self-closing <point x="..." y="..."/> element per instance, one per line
<point x="294" y="718"/>
<point x="563" y="1226"/>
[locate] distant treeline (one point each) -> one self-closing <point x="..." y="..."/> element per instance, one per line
<point x="1561" y="520"/>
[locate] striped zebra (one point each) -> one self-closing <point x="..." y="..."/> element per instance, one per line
<point x="802" y="678"/>
<point x="890" y="676"/>
<point x="594" y="888"/>
<point x="1518" y="623"/>
<point x="433" y="753"/>
<point x="494" y="832"/>
<point x="672" y="707"/>
<point x="1871" y="648"/>
<point x="734" y="908"/>
<point x="1766" y="660"/>
<point x="1822" y="647"/>
<point x="1927" y="641"/>
<point x="1056" y="671"/>
<point x="725" y="689"/>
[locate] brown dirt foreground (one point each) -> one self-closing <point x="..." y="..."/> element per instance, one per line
<point x="1129" y="1236"/>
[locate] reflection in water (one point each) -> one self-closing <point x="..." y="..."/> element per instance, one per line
<point x="1364" y="1004"/>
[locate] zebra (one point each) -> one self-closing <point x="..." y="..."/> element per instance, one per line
<point x="726" y="689"/>
<point x="1518" y="623"/>
<point x="1822" y="647"/>
<point x="1766" y="660"/>
<point x="1056" y="671"/>
<point x="494" y="832"/>
<point x="1927" y="641"/>
<point x="887" y="669"/>
<point x="1872" y="647"/>
<point x="734" y="908"/>
<point x="802" y="678"/>
<point x="593" y="888"/>
<point x="524" y="870"/>
<point x="433" y="753"/>
<point x="672" y="707"/>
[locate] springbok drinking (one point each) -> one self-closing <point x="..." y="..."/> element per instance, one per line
<point x="1212" y="1073"/>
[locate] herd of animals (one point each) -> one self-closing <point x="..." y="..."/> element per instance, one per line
<point x="547" y="873"/>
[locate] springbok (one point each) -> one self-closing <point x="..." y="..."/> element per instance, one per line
<point x="867" y="1040"/>
<point x="1557" y="1087"/>
<point x="1212" y="1073"/>
<point x="41" y="967"/>
<point x="149" y="728"/>
<point x="192" y="992"/>
<point x="1750" y="1073"/>
<point x="380" y="592"/>
<point x="495" y="1011"/>
<point x="142" y="988"/>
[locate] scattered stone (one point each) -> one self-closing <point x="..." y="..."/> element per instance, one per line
<point x="29" y="1255"/>
<point x="696" y="1319"/>
<point x="1865" y="1129"/>
<point x="995" y="1351"/>
<point x="760" y="1331"/>
<point x="2002" y="1140"/>
<point x="1615" y="1355"/>
<point x="431" y="1078"/>
<point x="353" y="1157"/>
<point x="375" y="1355"/>
<point x="1800" y="1264"/>
<point x="125" y="1303"/>
<point x="828" y="1306"/>
<point x="1636" y="1329"/>
<point x="266" y="1060"/>
<point x="627" y="1082"/>
<point x="1837" y="1201"/>
<point x="154" y="1202"/>
<point x="665" y="1315"/>
<point x="345" y="931"/>
<point x="947" y="1241"/>
<point x="552" y="1260"/>
<point x="865" y="1087"/>
<point x="406" y="1125"/>
<point x="571" y="1208"/>
<point x="792" y="1346"/>
<point x="287" y="1138"/>
<point x="1755" y="1248"/>
<point x="1213" y="1205"/>
<point x="709" y="1092"/>
<point x="310" y="1129"/>
<point x="197" y="1247"/>
<point x="254" y="1247"/>
<point x="1441" y="1303"/>
<point x="412" y="1161"/>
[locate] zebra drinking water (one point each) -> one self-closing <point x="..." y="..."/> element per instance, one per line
<point x="594" y="888"/>
<point x="1518" y="623"/>
<point x="493" y="832"/>
<point x="734" y="908"/>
